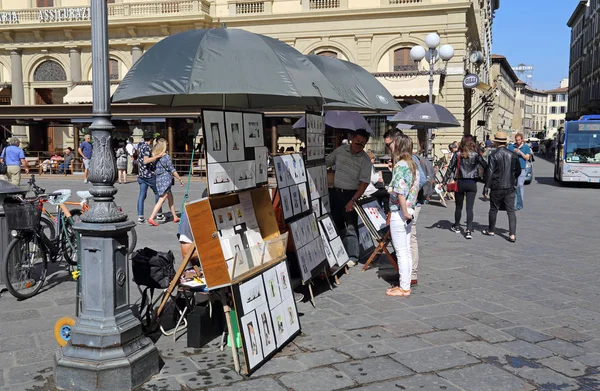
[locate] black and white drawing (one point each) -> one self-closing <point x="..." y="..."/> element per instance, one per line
<point x="261" y="155"/>
<point x="285" y="287"/>
<point x="252" y="294"/>
<point x="265" y="327"/>
<point x="365" y="238"/>
<point x="291" y="316"/>
<point x="296" y="201"/>
<point x="220" y="178"/>
<point x="253" y="347"/>
<point x="304" y="201"/>
<point x="329" y="228"/>
<point x="325" y="207"/>
<point x="214" y="136"/>
<point x="339" y="251"/>
<point x="253" y="130"/>
<point x="244" y="174"/>
<point x="272" y="285"/>
<point x="286" y="202"/>
<point x="316" y="207"/>
<point x="328" y="252"/>
<point x="280" y="172"/>
<point x="280" y="325"/>
<point x="235" y="136"/>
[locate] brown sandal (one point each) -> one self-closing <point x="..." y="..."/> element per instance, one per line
<point x="396" y="291"/>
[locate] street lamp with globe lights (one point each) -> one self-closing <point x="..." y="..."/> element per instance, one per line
<point x="432" y="54"/>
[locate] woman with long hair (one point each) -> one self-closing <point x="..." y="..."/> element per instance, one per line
<point x="122" y="162"/>
<point x="404" y="188"/>
<point x="164" y="180"/>
<point x="467" y="166"/>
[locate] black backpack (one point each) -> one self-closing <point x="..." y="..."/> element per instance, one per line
<point x="153" y="269"/>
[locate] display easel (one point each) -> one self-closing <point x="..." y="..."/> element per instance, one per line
<point x="382" y="237"/>
<point x="381" y="249"/>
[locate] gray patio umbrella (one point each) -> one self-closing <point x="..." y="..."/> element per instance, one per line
<point x="359" y="88"/>
<point x="428" y="115"/>
<point x="225" y="68"/>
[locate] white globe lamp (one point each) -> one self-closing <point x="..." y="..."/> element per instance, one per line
<point x="432" y="40"/>
<point x="446" y="52"/>
<point x="428" y="56"/>
<point x="417" y="53"/>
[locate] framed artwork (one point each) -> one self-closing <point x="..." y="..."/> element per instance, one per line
<point x="252" y="294"/>
<point x="215" y="141"/>
<point x="288" y="163"/>
<point x="325" y="207"/>
<point x="365" y="239"/>
<point x="272" y="286"/>
<point x="328" y="227"/>
<point x="280" y="325"/>
<point x="280" y="172"/>
<point x="220" y="178"/>
<point x="339" y="251"/>
<point x="291" y="316"/>
<point x="252" y="342"/>
<point x="235" y="136"/>
<point x="244" y="174"/>
<point x="285" y="287"/>
<point x="286" y="202"/>
<point x="316" y="207"/>
<point x="296" y="202"/>
<point x="304" y="202"/>
<point x="265" y="327"/>
<point x="375" y="213"/>
<point x="314" y="228"/>
<point x="261" y="155"/>
<point x="298" y="170"/>
<point x="327" y="249"/>
<point x="253" y="130"/>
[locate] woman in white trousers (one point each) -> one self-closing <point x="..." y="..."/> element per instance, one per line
<point x="404" y="188"/>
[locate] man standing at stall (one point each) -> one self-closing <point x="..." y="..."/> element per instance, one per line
<point x="352" y="176"/>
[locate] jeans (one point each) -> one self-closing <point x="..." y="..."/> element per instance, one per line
<point x="521" y="182"/>
<point x="466" y="189"/>
<point x="414" y="245"/>
<point x="346" y="222"/>
<point x="401" y="233"/>
<point x="503" y="198"/>
<point x="62" y="167"/>
<point x="146" y="183"/>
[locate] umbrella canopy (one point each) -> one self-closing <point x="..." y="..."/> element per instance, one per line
<point x="225" y="68"/>
<point x="427" y="115"/>
<point x="348" y="120"/>
<point x="359" y="88"/>
<point x="402" y="126"/>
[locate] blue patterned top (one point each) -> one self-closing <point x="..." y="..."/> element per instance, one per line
<point x="145" y="170"/>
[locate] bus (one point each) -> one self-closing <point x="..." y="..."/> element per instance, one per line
<point x="577" y="157"/>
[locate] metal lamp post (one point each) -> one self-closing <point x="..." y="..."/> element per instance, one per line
<point x="432" y="54"/>
<point x="107" y="350"/>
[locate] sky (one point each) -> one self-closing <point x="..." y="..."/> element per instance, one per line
<point x="535" y="32"/>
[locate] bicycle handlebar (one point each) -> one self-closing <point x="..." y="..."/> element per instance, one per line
<point x="38" y="197"/>
<point x="35" y="188"/>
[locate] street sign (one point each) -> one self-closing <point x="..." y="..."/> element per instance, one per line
<point x="471" y="81"/>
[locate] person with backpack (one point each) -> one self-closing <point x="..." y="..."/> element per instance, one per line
<point x="146" y="175"/>
<point x="122" y="155"/>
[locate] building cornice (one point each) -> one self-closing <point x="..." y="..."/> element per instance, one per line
<point x="580" y="7"/>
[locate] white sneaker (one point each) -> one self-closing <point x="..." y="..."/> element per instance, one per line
<point x="351" y="263"/>
<point x="85" y="181"/>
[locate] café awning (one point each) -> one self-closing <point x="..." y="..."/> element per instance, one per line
<point x="405" y="86"/>
<point x="82" y="93"/>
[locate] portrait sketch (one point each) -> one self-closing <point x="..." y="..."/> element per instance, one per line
<point x="253" y="130"/>
<point x="214" y="135"/>
<point x="235" y="137"/>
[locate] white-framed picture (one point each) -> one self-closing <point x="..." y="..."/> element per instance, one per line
<point x="244" y="174"/>
<point x="253" y="345"/>
<point x="339" y="251"/>
<point x="252" y="294"/>
<point x="272" y="287"/>
<point x="316" y="207"/>
<point x="291" y="316"/>
<point x="285" y="286"/>
<point x="376" y="214"/>
<point x="265" y="326"/>
<point x="261" y="155"/>
<point x="253" y="130"/>
<point x="288" y="163"/>
<point x="280" y="325"/>
<point x="314" y="228"/>
<point x="215" y="140"/>
<point x="299" y="172"/>
<point x="304" y="263"/>
<point x="235" y="136"/>
<point x="286" y="202"/>
<point x="328" y="253"/>
<point x="305" y="203"/>
<point x="220" y="178"/>
<point x="280" y="171"/>
<point x="325" y="207"/>
<point x="364" y="238"/>
<point x="296" y="201"/>
<point x="329" y="227"/>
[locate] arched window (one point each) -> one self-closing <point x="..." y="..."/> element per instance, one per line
<point x="402" y="60"/>
<point x="113" y="69"/>
<point x="328" y="53"/>
<point x="49" y="71"/>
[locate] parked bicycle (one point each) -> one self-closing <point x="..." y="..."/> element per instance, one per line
<point x="27" y="256"/>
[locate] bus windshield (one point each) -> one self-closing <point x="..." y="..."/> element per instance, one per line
<point x="582" y="147"/>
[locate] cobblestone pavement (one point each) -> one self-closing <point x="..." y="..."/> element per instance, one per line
<point x="486" y="315"/>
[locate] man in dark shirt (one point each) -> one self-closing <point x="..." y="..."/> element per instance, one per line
<point x="85" y="151"/>
<point x="146" y="175"/>
<point x="64" y="166"/>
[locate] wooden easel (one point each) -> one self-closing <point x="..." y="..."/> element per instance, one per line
<point x="382" y="249"/>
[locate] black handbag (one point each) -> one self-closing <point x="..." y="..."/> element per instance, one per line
<point x="3" y="167"/>
<point x="153" y="269"/>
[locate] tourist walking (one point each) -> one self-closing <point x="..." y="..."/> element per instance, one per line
<point x="146" y="176"/>
<point x="502" y="173"/>
<point x="13" y="156"/>
<point x="403" y="197"/>
<point x="122" y="162"/>
<point x="130" y="149"/>
<point x="164" y="180"/>
<point x="85" y="151"/>
<point x="524" y="153"/>
<point x="466" y="168"/>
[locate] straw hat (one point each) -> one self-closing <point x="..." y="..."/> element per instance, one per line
<point x="500" y="137"/>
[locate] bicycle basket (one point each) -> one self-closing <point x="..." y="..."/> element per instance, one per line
<point x="22" y="215"/>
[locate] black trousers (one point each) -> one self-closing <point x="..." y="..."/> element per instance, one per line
<point x="346" y="222"/>
<point x="503" y="199"/>
<point x="466" y="189"/>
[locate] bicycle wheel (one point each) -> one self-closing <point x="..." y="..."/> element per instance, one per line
<point x="25" y="266"/>
<point x="70" y="239"/>
<point x="132" y="241"/>
<point x="48" y="226"/>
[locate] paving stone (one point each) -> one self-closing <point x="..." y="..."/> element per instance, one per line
<point x="563" y="348"/>
<point x="406" y="344"/>
<point x="280" y="365"/>
<point x="589" y="383"/>
<point x="393" y="316"/>
<point x="205" y="361"/>
<point x="322" y="341"/>
<point x="29" y="356"/>
<point x="488" y="320"/>
<point x="527" y="334"/>
<point x="179" y="366"/>
<point x="485" y="377"/>
<point x="264" y="384"/>
<point x="566" y="367"/>
<point x="18" y="316"/>
<point x="162" y="384"/>
<point x="373" y="369"/>
<point x="210" y="377"/>
<point x="446" y="337"/>
<point x="27" y="373"/>
<point x="355" y="322"/>
<point x="370" y="334"/>
<point x="436" y="310"/>
<point x="346" y="299"/>
<point x="447" y="322"/>
<point x="16" y="344"/>
<point x="568" y="334"/>
<point x="408" y="327"/>
<point x="548" y="380"/>
<point x="589" y="359"/>
<point x="434" y="359"/>
<point x="485" y="351"/>
<point x="366" y="349"/>
<point x="320" y="358"/>
<point x="487" y="306"/>
<point x="488" y="334"/>
<point x="352" y="309"/>
<point x="325" y="379"/>
<point x="525" y="349"/>
<point x="418" y="382"/>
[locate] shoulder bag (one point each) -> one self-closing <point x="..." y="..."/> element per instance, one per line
<point x="453" y="187"/>
<point x="3" y="168"/>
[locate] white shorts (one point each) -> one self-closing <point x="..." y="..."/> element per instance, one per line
<point x="86" y="164"/>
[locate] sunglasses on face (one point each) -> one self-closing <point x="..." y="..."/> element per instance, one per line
<point x="389" y="145"/>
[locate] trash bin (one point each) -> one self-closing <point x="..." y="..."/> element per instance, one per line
<point x="6" y="190"/>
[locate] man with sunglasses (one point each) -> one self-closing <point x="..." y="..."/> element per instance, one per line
<point x="353" y="170"/>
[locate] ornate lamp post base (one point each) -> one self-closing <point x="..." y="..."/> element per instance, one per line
<point x="107" y="350"/>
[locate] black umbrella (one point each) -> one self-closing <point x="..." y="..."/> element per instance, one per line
<point x="225" y="68"/>
<point x="427" y="115"/>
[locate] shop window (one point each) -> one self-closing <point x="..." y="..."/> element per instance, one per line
<point x="402" y="60"/>
<point x="328" y="53"/>
<point x="45" y="3"/>
<point x="49" y="71"/>
<point x="113" y="69"/>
